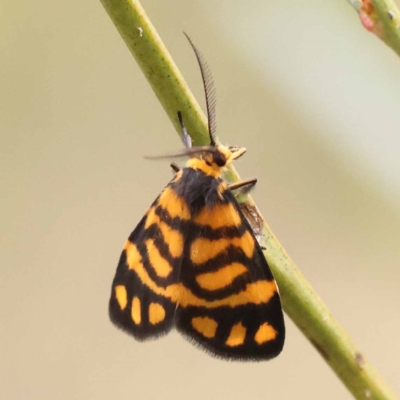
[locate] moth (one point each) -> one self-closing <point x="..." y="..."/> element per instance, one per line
<point x="193" y="262"/>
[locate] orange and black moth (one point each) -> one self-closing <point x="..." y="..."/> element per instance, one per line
<point x="194" y="264"/>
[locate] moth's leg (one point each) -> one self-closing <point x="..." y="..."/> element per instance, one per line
<point x="175" y="167"/>
<point x="252" y="216"/>
<point x="245" y="186"/>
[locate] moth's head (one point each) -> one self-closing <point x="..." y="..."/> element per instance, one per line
<point x="211" y="160"/>
<point x="213" y="157"/>
<point x="219" y="156"/>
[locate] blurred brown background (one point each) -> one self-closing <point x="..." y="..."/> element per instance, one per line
<point x="315" y="99"/>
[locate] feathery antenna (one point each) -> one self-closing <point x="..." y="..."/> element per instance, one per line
<point x="209" y="90"/>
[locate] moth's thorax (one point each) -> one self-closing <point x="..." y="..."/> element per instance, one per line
<point x="215" y="159"/>
<point x="197" y="188"/>
<point x="203" y="166"/>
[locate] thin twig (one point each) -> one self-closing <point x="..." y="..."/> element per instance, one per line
<point x="300" y="302"/>
<point x="381" y="17"/>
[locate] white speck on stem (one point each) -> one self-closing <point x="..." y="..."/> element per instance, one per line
<point x="140" y="29"/>
<point x="393" y="18"/>
<point x="367" y="393"/>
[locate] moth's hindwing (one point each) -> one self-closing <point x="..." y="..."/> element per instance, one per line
<point x="199" y="267"/>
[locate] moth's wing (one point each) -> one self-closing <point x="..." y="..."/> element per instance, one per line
<point x="229" y="304"/>
<point x="145" y="288"/>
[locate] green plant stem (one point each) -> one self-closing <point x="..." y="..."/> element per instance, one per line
<point x="157" y="65"/>
<point x="385" y="17"/>
<point x="300" y="302"/>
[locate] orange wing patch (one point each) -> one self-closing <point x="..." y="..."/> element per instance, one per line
<point x="136" y="311"/>
<point x="121" y="296"/>
<point x="205" y="325"/>
<point x="220" y="216"/>
<point x="203" y="249"/>
<point x="133" y="256"/>
<point x="175" y="206"/>
<point x="222" y="277"/>
<point x="157" y="261"/>
<point x="237" y="335"/>
<point x="173" y="238"/>
<point x="151" y="218"/>
<point x="265" y="333"/>
<point x="156" y="313"/>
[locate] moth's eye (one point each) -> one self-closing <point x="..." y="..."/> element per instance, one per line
<point x="219" y="159"/>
